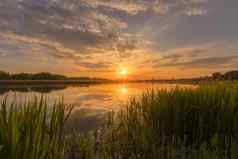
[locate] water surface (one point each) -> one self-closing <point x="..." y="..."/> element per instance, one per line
<point x="91" y="102"/>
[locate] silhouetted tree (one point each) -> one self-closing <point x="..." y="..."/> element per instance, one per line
<point x="48" y="76"/>
<point x="21" y="76"/>
<point x="4" y="75"/>
<point x="232" y="75"/>
<point x="29" y="76"/>
<point x="217" y="76"/>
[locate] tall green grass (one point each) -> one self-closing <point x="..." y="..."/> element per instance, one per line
<point x="197" y="123"/>
<point x="32" y="130"/>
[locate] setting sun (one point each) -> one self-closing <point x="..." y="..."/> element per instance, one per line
<point x="141" y="79"/>
<point x="124" y="72"/>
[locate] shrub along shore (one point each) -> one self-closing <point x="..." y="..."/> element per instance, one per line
<point x="199" y="123"/>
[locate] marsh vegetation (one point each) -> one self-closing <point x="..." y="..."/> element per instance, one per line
<point x="180" y="123"/>
<point x="32" y="130"/>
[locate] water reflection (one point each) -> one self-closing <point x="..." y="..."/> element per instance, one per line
<point x="101" y="97"/>
<point x="38" y="89"/>
<point x="124" y="89"/>
<point x="91" y="102"/>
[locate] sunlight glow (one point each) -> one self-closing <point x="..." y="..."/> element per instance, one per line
<point x="123" y="72"/>
<point x="124" y="90"/>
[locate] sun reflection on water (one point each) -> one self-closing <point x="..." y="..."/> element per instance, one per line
<point x="124" y="89"/>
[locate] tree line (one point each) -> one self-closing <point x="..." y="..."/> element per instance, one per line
<point x="231" y="75"/>
<point x="30" y="76"/>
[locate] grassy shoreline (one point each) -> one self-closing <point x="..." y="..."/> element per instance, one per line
<point x="180" y="123"/>
<point x="32" y="130"/>
<point x="176" y="124"/>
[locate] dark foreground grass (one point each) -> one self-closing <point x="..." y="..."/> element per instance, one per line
<point x="181" y="123"/>
<point x="197" y="123"/>
<point x="32" y="130"/>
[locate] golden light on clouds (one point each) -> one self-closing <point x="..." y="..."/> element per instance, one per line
<point x="118" y="39"/>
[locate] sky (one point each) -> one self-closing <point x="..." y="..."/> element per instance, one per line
<point x="98" y="38"/>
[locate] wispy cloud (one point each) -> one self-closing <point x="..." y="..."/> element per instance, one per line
<point x="97" y="35"/>
<point x="207" y="62"/>
<point x="195" y="58"/>
<point x="161" y="7"/>
<point x="131" y="7"/>
<point x="68" y="28"/>
<point x="196" y="11"/>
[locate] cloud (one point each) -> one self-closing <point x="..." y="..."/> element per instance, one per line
<point x="66" y="29"/>
<point x="204" y="56"/>
<point x="66" y="22"/>
<point x="93" y="65"/>
<point x="75" y="24"/>
<point x="131" y="7"/>
<point x="195" y="7"/>
<point x="161" y="7"/>
<point x="183" y="61"/>
<point x="189" y="7"/>
<point x="196" y="11"/>
<point x="28" y="46"/>
<point x="208" y="62"/>
<point x="57" y="49"/>
<point x="195" y="1"/>
<point x="96" y="35"/>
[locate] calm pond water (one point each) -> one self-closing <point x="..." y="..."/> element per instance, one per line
<point x="91" y="102"/>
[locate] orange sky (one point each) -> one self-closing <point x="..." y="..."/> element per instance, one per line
<point x="149" y="38"/>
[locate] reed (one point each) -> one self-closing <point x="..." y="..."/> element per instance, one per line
<point x="197" y="123"/>
<point x="32" y="130"/>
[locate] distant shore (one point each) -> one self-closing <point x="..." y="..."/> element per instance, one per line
<point x="46" y="78"/>
<point x="76" y="82"/>
<point x="51" y="82"/>
<point x="88" y="82"/>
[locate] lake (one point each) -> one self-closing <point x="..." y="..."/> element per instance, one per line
<point x="91" y="102"/>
